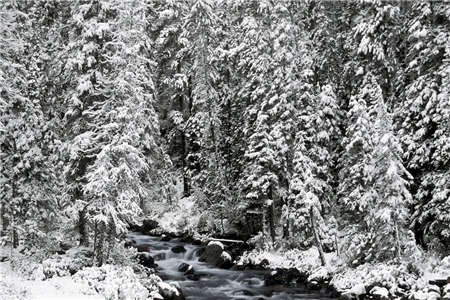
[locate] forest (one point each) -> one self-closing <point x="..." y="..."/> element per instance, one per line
<point x="297" y="125"/>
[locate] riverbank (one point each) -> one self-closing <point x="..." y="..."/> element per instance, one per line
<point x="416" y="276"/>
<point x="69" y="275"/>
<point x="418" y="279"/>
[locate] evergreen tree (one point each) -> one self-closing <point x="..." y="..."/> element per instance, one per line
<point x="373" y="188"/>
<point x="424" y="118"/>
<point x="26" y="173"/>
<point x="113" y="147"/>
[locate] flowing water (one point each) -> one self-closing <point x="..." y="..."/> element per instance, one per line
<point x="215" y="283"/>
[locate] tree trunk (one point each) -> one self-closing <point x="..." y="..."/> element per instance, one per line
<point x="4" y="219"/>
<point x="82" y="228"/>
<point x="15" y="235"/>
<point x="397" y="240"/>
<point x="184" y="147"/>
<point x="271" y="216"/>
<point x="99" y="247"/>
<point x="316" y="236"/>
<point x="186" y="184"/>
<point x="111" y="239"/>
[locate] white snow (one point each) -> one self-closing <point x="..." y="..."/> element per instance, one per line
<point x="168" y="289"/>
<point x="182" y="217"/>
<point x="225" y="256"/>
<point x="216" y="243"/>
<point x="358" y="289"/>
<point x="380" y="291"/>
<point x="15" y="287"/>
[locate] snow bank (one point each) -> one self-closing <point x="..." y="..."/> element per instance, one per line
<point x="307" y="261"/>
<point x="115" y="282"/>
<point x="15" y="287"/>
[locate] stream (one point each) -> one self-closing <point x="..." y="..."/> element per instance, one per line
<point x="215" y="283"/>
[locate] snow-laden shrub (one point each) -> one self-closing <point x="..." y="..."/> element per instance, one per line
<point x="121" y="255"/>
<point x="64" y="265"/>
<point x="320" y="274"/>
<point x="117" y="282"/>
<point x="385" y="275"/>
<point x="306" y="261"/>
<point x="28" y="265"/>
<point x="180" y="218"/>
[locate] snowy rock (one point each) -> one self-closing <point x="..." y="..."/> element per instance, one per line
<point x="183" y="267"/>
<point x="145" y="259"/>
<point x="225" y="260"/>
<point x="4" y="258"/>
<point x="169" y="291"/>
<point x="282" y="276"/>
<point x="148" y="225"/>
<point x="156" y="296"/>
<point x="215" y="243"/>
<point x="354" y="293"/>
<point x="165" y="238"/>
<point x="264" y="263"/>
<point x="313" y="285"/>
<point x="439" y="282"/>
<point x="379" y="293"/>
<point x="419" y="295"/>
<point x="358" y="289"/>
<point x="433" y="296"/>
<point x="446" y="289"/>
<point x="225" y="256"/>
<point x="212" y="253"/>
<point x="187" y="269"/>
<point x="346" y="296"/>
<point x="178" y="249"/>
<point x="434" y="288"/>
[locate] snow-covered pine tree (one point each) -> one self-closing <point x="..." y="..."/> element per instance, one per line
<point x="274" y="85"/>
<point x="373" y="181"/>
<point x="311" y="185"/>
<point x="423" y="117"/>
<point x="25" y="170"/>
<point x="389" y="179"/>
<point x="114" y="147"/>
<point x="173" y="80"/>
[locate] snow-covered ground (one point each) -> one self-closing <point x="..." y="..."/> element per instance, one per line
<point x="417" y="274"/>
<point x="24" y="277"/>
<point x="13" y="286"/>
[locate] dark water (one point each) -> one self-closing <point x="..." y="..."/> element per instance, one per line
<point x="214" y="283"/>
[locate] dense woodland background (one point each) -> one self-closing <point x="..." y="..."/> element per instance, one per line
<point x="328" y="120"/>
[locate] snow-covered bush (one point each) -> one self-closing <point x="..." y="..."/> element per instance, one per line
<point x="68" y="264"/>
<point x="385" y="275"/>
<point x="117" y="283"/>
<point x="180" y="218"/>
<point x="305" y="261"/>
<point x="27" y="265"/>
<point x="121" y="255"/>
